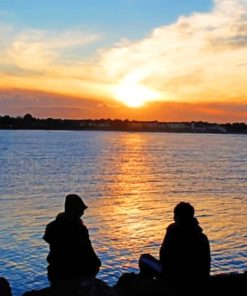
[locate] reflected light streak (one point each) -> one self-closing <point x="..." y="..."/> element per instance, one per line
<point x="128" y="217"/>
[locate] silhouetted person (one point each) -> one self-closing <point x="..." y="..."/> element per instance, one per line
<point x="185" y="251"/>
<point x="72" y="257"/>
<point x="184" y="254"/>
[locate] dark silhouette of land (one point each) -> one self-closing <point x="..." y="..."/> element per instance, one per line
<point x="31" y="123"/>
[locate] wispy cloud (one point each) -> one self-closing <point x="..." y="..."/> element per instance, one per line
<point x="48" y="60"/>
<point x="37" y="50"/>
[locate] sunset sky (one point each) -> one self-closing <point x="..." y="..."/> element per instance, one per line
<point x="179" y="60"/>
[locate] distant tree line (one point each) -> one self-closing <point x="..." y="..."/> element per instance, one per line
<point x="30" y="122"/>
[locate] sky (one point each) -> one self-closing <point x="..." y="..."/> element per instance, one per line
<point x="179" y="60"/>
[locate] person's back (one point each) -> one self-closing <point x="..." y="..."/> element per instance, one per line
<point x="71" y="253"/>
<point x="185" y="251"/>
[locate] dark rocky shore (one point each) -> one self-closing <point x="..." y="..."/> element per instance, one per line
<point x="130" y="284"/>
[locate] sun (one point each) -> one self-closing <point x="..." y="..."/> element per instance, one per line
<point x="134" y="94"/>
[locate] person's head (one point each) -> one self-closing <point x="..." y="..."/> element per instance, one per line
<point x="184" y="212"/>
<point x="74" y="205"/>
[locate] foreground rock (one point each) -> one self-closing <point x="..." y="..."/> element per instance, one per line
<point x="232" y="284"/>
<point x="228" y="284"/>
<point x="130" y="284"/>
<point x="92" y="287"/>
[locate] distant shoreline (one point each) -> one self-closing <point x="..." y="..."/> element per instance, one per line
<point x="28" y="122"/>
<point x="127" y="131"/>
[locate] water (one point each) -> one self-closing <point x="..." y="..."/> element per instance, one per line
<point x="131" y="183"/>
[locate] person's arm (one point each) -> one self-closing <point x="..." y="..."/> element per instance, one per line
<point x="166" y="246"/>
<point x="207" y="255"/>
<point x="88" y="250"/>
<point x="47" y="235"/>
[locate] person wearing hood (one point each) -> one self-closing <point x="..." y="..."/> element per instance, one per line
<point x="185" y="259"/>
<point x="185" y="251"/>
<point x="71" y="257"/>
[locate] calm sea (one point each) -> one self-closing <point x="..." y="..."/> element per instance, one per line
<point x="131" y="183"/>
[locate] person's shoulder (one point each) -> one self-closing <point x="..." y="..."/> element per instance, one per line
<point x="51" y="224"/>
<point x="82" y="226"/>
<point x="204" y="237"/>
<point x="171" y="227"/>
<point x="60" y="216"/>
<point x="54" y="223"/>
<point x="50" y="230"/>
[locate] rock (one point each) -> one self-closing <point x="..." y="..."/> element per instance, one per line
<point x="233" y="284"/>
<point x="95" y="287"/>
<point x="131" y="284"/>
<point x="42" y="292"/>
<point x="88" y="287"/>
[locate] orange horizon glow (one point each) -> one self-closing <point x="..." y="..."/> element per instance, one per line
<point x="45" y="104"/>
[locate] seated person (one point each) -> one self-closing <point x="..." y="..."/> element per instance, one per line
<point x="71" y="257"/>
<point x="184" y="253"/>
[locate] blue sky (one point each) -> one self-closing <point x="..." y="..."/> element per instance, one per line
<point x="115" y="18"/>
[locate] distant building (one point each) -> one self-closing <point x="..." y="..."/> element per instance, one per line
<point x="207" y="127"/>
<point x="178" y="126"/>
<point x="135" y="125"/>
<point x="198" y="127"/>
<point x="151" y="124"/>
<point x="217" y="128"/>
<point x="103" y="124"/>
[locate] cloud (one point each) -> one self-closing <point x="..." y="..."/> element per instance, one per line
<point x="41" y="104"/>
<point x="197" y="58"/>
<point x="37" y="50"/>
<point x="49" y="61"/>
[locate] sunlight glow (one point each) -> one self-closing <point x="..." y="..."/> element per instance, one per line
<point x="134" y="94"/>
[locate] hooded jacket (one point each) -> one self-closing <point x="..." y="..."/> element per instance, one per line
<point x="185" y="253"/>
<point x="71" y="253"/>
